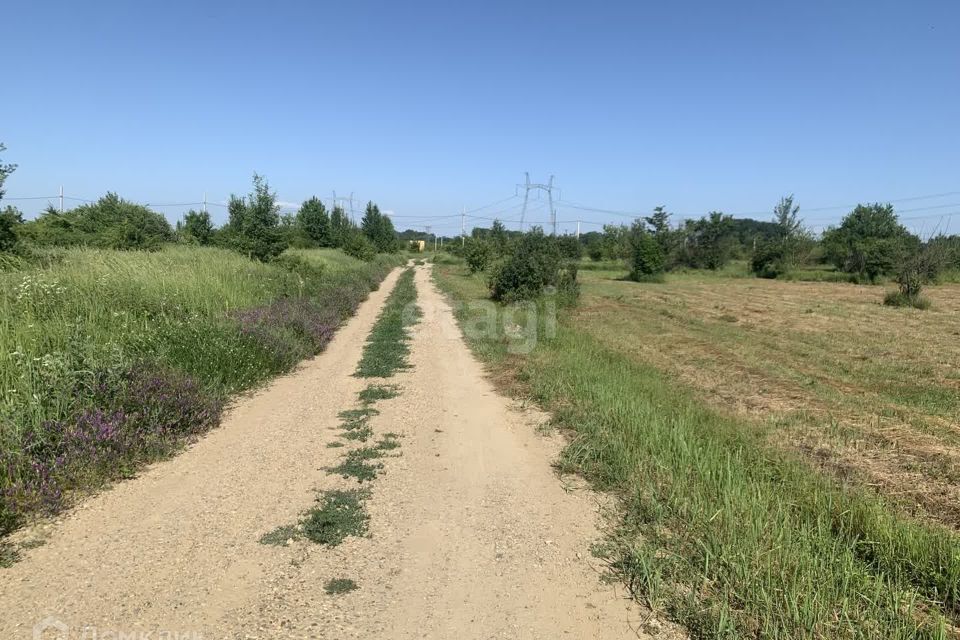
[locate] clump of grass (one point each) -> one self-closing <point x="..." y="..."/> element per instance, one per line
<point x="340" y="585"/>
<point x="376" y="392"/>
<point x="279" y="536"/>
<point x="356" y="423"/>
<point x="356" y="465"/>
<point x="388" y="442"/>
<point x="335" y="444"/>
<point x="388" y="346"/>
<point x="358" y="430"/>
<point x="900" y="299"/>
<point x="9" y="555"/>
<point x="339" y="515"/>
<point x="357" y="414"/>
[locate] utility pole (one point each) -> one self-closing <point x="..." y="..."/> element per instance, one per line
<point x="553" y="212"/>
<point x="61" y="198"/>
<point x="463" y="227"/>
<point x="204" y="201"/>
<point x="578" y="229"/>
<point x="526" y="196"/>
<point x="527" y="187"/>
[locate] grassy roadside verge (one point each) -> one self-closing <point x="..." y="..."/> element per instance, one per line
<point x="722" y="534"/>
<point x="117" y="358"/>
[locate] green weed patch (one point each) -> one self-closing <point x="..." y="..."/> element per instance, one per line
<point x="339" y="515"/>
<point x="338" y="586"/>
<point x="376" y="392"/>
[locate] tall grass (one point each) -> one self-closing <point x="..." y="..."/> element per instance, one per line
<point x="725" y="535"/>
<point x="89" y="328"/>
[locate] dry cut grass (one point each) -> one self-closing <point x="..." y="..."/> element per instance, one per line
<point x="868" y="392"/>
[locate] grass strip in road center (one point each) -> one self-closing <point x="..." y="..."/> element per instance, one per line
<point x="388" y="346"/>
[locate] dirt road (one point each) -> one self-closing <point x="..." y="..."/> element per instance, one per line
<point x="471" y="533"/>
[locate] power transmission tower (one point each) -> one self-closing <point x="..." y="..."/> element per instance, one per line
<point x="527" y="187"/>
<point x="339" y="202"/>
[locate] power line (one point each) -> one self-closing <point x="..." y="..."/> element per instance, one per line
<point x="492" y="204"/>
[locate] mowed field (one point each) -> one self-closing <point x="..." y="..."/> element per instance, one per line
<point x="869" y="393"/>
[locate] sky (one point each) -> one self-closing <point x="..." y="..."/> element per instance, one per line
<point x="428" y="108"/>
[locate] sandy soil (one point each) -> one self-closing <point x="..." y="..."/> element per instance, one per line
<point x="472" y="535"/>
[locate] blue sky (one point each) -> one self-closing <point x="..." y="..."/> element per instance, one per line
<point x="428" y="107"/>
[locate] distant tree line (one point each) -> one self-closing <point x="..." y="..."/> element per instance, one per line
<point x="869" y="245"/>
<point x="254" y="227"/>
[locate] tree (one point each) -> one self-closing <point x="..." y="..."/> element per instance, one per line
<point x="708" y="242"/>
<point x="870" y="242"/>
<point x="379" y="229"/>
<point x="786" y="217"/>
<point x="659" y="225"/>
<point x="647" y="257"/>
<point x="615" y="242"/>
<point x="499" y="237"/>
<point x="254" y="222"/>
<point x="197" y="227"/>
<point x="478" y="253"/>
<point x="10" y="221"/>
<point x="5" y="171"/>
<point x="314" y="222"/>
<point x="340" y="227"/>
<point x="776" y="255"/>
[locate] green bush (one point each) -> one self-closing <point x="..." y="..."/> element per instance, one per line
<point x="570" y="247"/>
<point x="769" y="259"/>
<point x="298" y="264"/>
<point x="536" y="263"/>
<point x="359" y="246"/>
<point x="109" y="223"/>
<point x="479" y="254"/>
<point x="10" y="221"/>
<point x="870" y="242"/>
<point x="595" y="250"/>
<point x="197" y="228"/>
<point x="914" y="273"/>
<point x="647" y="260"/>
<point x="900" y="299"/>
<point x="708" y="242"/>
